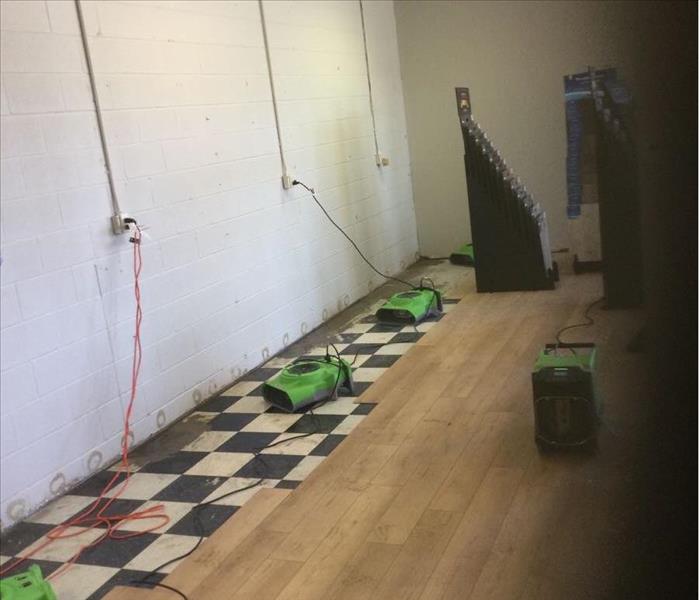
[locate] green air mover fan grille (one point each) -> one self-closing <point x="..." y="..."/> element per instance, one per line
<point x="407" y="308"/>
<point x="306" y="382"/>
<point x="303" y="367"/>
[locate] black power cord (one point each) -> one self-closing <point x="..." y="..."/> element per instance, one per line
<point x="431" y="286"/>
<point x="198" y="525"/>
<point x="588" y="321"/>
<point x="426" y="283"/>
<point x="364" y="258"/>
<point x="586" y="315"/>
<point x="349" y="239"/>
<point x="160" y="585"/>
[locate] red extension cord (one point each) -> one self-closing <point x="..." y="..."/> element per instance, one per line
<point x="89" y="519"/>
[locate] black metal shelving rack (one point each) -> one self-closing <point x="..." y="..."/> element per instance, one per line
<point x="620" y="214"/>
<point x="509" y="229"/>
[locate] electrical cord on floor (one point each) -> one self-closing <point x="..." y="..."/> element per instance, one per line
<point x="349" y="239"/>
<point x="588" y="321"/>
<point x="257" y="455"/>
<point x="95" y="515"/>
<point x="160" y="585"/>
<point x="432" y="287"/>
<point x="364" y="258"/>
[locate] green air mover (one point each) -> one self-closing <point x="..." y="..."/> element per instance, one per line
<point x="566" y="407"/>
<point x="307" y="381"/>
<point x="463" y="256"/>
<point x="411" y="307"/>
<point x="29" y="585"/>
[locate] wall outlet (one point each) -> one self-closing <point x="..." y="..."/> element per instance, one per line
<point x="287" y="182"/>
<point x="381" y="160"/>
<point x="118" y="224"/>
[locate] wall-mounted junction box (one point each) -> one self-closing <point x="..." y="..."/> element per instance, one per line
<point x="119" y="224"/>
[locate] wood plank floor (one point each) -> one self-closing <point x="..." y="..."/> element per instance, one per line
<point x="440" y="493"/>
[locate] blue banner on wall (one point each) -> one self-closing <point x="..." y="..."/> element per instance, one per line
<point x="578" y="88"/>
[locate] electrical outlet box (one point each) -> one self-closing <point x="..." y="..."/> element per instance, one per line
<point x="385" y="161"/>
<point x="119" y="225"/>
<point x="287" y="182"/>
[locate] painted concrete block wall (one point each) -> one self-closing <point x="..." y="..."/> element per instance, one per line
<point x="235" y="268"/>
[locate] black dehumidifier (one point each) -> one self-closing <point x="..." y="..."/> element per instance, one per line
<point x="566" y="407"/>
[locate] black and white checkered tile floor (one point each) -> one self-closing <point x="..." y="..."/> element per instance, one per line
<point x="218" y="461"/>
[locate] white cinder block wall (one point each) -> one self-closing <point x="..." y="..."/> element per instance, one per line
<point x="235" y="268"/>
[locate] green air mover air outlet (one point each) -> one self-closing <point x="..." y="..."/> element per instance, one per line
<point x="411" y="307"/>
<point x="307" y="381"/>
<point x="463" y="256"/>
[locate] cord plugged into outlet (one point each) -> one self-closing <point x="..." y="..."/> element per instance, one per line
<point x="120" y="223"/>
<point x="381" y="160"/>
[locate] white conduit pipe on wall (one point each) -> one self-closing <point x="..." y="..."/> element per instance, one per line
<point x="368" y="79"/>
<point x="286" y="180"/>
<point x="118" y="226"/>
<point x="117" y="217"/>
